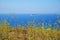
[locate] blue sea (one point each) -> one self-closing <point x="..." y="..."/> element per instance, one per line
<point x="23" y="19"/>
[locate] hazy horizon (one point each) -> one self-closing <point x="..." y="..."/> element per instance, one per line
<point x="30" y="6"/>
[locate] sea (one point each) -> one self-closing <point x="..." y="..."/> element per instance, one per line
<point x="24" y="19"/>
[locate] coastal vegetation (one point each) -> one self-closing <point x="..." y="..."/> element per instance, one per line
<point x="30" y="32"/>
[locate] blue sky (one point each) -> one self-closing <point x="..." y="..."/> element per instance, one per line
<point x="29" y="6"/>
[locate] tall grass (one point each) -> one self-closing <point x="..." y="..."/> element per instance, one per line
<point x="30" y="32"/>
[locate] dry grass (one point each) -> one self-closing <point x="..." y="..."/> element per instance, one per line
<point x="28" y="33"/>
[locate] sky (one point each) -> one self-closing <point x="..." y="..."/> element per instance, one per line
<point x="29" y="6"/>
